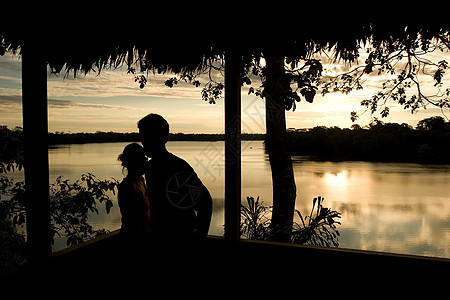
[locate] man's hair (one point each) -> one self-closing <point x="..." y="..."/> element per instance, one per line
<point x="155" y="125"/>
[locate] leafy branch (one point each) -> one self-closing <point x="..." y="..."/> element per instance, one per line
<point x="408" y="65"/>
<point x="70" y="205"/>
<point x="212" y="89"/>
<point x="405" y="60"/>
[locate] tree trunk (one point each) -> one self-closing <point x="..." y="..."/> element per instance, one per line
<point x="284" y="189"/>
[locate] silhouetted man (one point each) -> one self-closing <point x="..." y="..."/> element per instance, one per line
<point x="180" y="205"/>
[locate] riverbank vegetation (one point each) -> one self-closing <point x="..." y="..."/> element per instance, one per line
<point x="62" y="138"/>
<point x="111" y="137"/>
<point x="429" y="142"/>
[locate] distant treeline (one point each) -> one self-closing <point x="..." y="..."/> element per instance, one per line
<point x="111" y="137"/>
<point x="429" y="142"/>
<point x="84" y="138"/>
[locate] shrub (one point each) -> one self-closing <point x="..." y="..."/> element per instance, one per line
<point x="316" y="229"/>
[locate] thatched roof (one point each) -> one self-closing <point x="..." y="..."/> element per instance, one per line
<point x="175" y="49"/>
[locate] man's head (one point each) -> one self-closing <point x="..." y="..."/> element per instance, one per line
<point x="154" y="133"/>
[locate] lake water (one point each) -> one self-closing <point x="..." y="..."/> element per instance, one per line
<point x="392" y="207"/>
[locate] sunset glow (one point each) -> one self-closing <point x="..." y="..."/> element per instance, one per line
<point x="113" y="101"/>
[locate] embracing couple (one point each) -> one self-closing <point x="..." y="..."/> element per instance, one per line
<point x="170" y="202"/>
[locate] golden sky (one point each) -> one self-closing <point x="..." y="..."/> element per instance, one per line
<point x="113" y="101"/>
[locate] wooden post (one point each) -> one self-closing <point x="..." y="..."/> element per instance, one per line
<point x="35" y="132"/>
<point x="232" y="146"/>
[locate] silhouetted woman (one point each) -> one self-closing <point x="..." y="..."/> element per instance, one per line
<point x="132" y="195"/>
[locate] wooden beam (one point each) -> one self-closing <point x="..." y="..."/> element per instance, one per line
<point x="35" y="132"/>
<point x="232" y="145"/>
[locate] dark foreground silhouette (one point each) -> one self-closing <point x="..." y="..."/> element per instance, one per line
<point x="132" y="194"/>
<point x="180" y="205"/>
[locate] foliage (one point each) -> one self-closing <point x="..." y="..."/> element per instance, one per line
<point x="400" y="54"/>
<point x="317" y="229"/>
<point x="12" y="246"/>
<point x="406" y="63"/>
<point x="70" y="205"/>
<point x="305" y="77"/>
<point x="299" y="80"/>
<point x="11" y="149"/>
<point x="255" y="223"/>
<point x="428" y="143"/>
<point x="433" y="124"/>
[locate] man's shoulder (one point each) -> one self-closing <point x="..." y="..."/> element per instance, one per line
<point x="179" y="163"/>
<point x="169" y="164"/>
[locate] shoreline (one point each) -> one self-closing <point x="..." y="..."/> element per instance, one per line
<point x="113" y="137"/>
<point x="296" y="158"/>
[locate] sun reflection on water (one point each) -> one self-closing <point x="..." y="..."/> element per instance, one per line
<point x="336" y="179"/>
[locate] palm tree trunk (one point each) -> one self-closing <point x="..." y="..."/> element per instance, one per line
<point x="284" y="189"/>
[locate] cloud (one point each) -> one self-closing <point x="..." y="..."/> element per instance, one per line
<point x="119" y="83"/>
<point x="55" y="103"/>
<point x="13" y="99"/>
<point x="10" y="63"/>
<point x="61" y="104"/>
<point x="10" y="78"/>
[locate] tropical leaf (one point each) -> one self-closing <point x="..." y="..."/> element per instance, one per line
<point x="317" y="229"/>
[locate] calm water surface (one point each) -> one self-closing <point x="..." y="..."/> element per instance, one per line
<point x="393" y="207"/>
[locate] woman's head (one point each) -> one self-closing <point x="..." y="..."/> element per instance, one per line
<point x="133" y="158"/>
